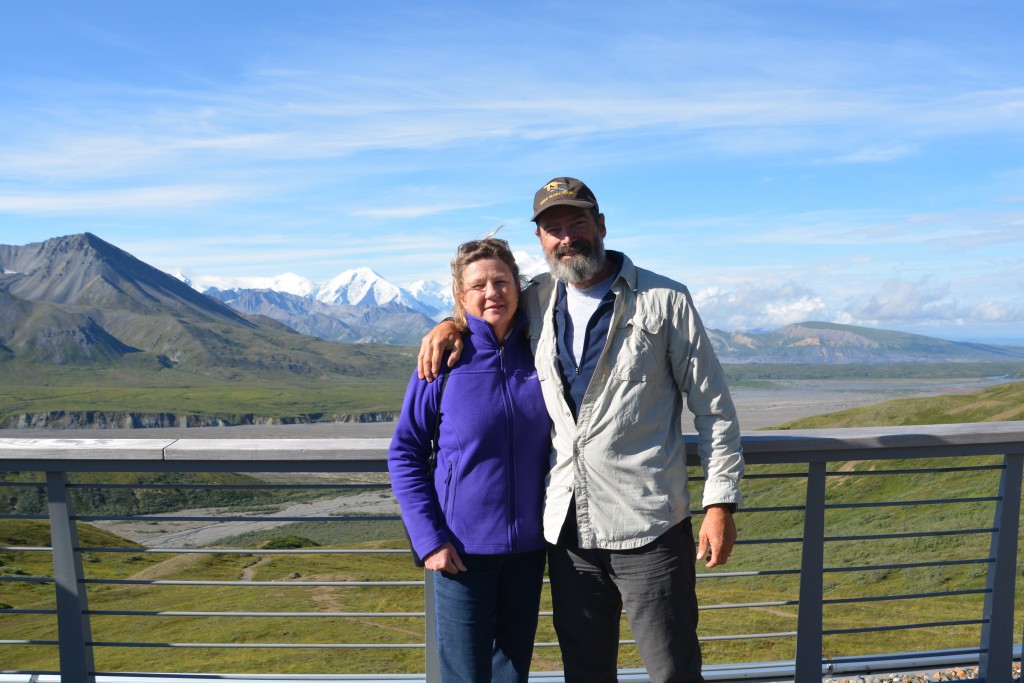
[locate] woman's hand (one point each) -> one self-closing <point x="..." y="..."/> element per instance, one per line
<point x="445" y="559"/>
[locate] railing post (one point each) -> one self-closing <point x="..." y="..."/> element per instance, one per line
<point x="812" y="561"/>
<point x="73" y="629"/>
<point x="997" y="634"/>
<point x="433" y="664"/>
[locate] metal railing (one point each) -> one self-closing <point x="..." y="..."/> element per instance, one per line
<point x="803" y="535"/>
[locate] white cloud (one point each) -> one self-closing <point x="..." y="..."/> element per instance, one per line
<point x="412" y="211"/>
<point x="749" y="307"/>
<point x="285" y="282"/>
<point x="902" y="303"/>
<point x="116" y="200"/>
<point x="901" y="300"/>
<point x="875" y="154"/>
<point x="997" y="312"/>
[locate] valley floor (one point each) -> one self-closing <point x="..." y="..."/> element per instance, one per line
<point x="778" y="403"/>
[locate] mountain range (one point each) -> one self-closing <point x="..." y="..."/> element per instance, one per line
<point x="356" y="305"/>
<point x="78" y="300"/>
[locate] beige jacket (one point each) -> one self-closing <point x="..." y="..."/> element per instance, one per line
<point x="625" y="457"/>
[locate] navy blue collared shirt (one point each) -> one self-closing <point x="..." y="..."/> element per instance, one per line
<point x="576" y="376"/>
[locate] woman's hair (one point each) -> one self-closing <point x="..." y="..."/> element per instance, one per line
<point x="476" y="250"/>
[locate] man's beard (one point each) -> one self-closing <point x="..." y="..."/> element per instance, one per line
<point x="585" y="262"/>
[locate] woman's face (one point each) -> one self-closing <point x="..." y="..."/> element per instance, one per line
<point x="490" y="292"/>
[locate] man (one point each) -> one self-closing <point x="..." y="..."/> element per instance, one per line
<point x="619" y="349"/>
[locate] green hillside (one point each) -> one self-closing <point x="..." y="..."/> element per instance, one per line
<point x="1001" y="403"/>
<point x="327" y="382"/>
<point x="35" y="533"/>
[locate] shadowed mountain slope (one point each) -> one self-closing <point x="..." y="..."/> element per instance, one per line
<point x="83" y="271"/>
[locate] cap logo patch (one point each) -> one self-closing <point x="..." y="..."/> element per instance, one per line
<point x="557" y="190"/>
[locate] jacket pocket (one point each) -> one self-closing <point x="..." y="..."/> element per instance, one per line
<point x="449" y="489"/>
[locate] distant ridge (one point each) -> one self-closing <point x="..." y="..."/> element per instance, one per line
<point x="834" y="344"/>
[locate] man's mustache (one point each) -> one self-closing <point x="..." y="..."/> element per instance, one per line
<point x="573" y="249"/>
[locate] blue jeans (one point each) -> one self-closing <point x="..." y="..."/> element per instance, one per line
<point x="655" y="583"/>
<point x="487" y="618"/>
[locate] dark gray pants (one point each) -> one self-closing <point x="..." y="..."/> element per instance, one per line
<point x="655" y="584"/>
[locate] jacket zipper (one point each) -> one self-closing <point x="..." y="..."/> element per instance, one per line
<point x="448" y="487"/>
<point x="510" y="453"/>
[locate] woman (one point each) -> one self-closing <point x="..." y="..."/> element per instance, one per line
<point x="476" y="519"/>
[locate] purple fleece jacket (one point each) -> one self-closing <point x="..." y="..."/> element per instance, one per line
<point x="487" y="493"/>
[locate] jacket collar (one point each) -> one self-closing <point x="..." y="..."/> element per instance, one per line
<point x="483" y="334"/>
<point x="627" y="271"/>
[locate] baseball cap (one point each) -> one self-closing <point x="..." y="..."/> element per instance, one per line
<point x="563" y="192"/>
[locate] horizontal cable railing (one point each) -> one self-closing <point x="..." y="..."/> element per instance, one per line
<point x="820" y="579"/>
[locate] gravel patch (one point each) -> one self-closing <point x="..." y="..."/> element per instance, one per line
<point x="955" y="674"/>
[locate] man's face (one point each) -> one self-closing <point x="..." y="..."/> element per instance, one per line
<point x="573" y="242"/>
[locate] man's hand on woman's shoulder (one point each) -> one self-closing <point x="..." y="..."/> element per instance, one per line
<point x="444" y="336"/>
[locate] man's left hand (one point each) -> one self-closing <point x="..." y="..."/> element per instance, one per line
<point x="717" y="533"/>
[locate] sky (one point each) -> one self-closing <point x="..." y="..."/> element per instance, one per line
<point x="849" y="161"/>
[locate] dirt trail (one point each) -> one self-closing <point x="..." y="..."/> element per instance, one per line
<point x="249" y="571"/>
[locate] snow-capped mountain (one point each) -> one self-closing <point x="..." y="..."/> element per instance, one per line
<point x="433" y="295"/>
<point x="356" y="305"/>
<point x="360" y="287"/>
<point x="530" y="265"/>
<point x="363" y="287"/>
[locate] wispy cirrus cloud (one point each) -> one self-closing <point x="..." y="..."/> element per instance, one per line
<point x="177" y="196"/>
<point x="282" y="120"/>
<point x="874" y="155"/>
<point x="412" y="211"/>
